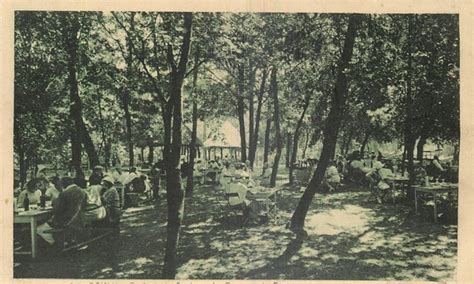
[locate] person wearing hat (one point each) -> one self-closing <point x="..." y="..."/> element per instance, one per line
<point x="53" y="191"/>
<point x="111" y="200"/>
<point x="377" y="183"/>
<point x="97" y="175"/>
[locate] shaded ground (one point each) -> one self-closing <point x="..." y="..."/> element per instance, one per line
<point x="348" y="238"/>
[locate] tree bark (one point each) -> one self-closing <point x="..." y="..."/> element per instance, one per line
<point x="254" y="145"/>
<point x="296" y="136"/>
<point x="306" y="142"/>
<point x="410" y="138"/>
<point x="174" y="192"/>
<point x="70" y="33"/>
<point x="251" y="106"/>
<point x="288" y="149"/>
<point x="420" y="147"/>
<point x="88" y="145"/>
<point x="364" y="144"/>
<point x="192" y="154"/>
<point x="241" y="112"/>
<point x="126" y="96"/>
<point x="266" y="147"/>
<point x="332" y="126"/>
<point x="276" y="117"/>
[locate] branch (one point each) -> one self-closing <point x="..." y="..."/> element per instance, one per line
<point x="194" y="67"/>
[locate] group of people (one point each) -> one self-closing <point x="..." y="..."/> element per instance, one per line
<point x="77" y="202"/>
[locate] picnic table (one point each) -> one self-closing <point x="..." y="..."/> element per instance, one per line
<point x="32" y="217"/>
<point x="395" y="180"/>
<point x="434" y="190"/>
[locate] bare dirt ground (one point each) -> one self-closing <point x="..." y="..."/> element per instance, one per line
<point x="348" y="237"/>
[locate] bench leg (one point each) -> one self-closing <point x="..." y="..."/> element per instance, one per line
<point x="34" y="240"/>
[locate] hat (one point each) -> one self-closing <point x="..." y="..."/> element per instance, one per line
<point x="109" y="178"/>
<point x="98" y="167"/>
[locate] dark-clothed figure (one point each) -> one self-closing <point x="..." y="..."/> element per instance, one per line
<point x="96" y="176"/>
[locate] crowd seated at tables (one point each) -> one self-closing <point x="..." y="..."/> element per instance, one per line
<point x="77" y="202"/>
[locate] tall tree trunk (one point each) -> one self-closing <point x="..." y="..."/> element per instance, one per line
<point x="276" y="117"/>
<point x="107" y="153"/>
<point x="266" y="147"/>
<point x="364" y="144"/>
<point x="126" y="95"/>
<point x="296" y="136"/>
<point x="420" y="147"/>
<point x="192" y="154"/>
<point x="253" y="146"/>
<point x="332" y="126"/>
<point x="89" y="145"/>
<point x="347" y="143"/>
<point x="175" y="194"/>
<point x="252" y="72"/>
<point x="306" y="142"/>
<point x="410" y="138"/>
<point x="22" y="162"/>
<point x="241" y="112"/>
<point x="151" y="151"/>
<point x="288" y="149"/>
<point x="70" y="33"/>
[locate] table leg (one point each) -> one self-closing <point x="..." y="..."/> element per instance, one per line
<point x="416" y="202"/>
<point x="33" y="224"/>
<point x="123" y="196"/>
<point x="434" y="209"/>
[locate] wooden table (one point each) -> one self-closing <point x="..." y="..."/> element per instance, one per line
<point x="394" y="180"/>
<point x="32" y="217"/>
<point x="434" y="190"/>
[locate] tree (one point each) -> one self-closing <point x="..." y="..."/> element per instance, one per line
<point x="332" y="124"/>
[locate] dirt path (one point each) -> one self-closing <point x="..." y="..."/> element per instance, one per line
<point x="348" y="238"/>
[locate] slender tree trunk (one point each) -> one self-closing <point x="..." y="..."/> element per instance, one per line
<point x="251" y="106"/>
<point x="296" y="136"/>
<point x="241" y="112"/>
<point x="420" y="147"/>
<point x="306" y="142"/>
<point x="332" y="126"/>
<point x="107" y="153"/>
<point x="288" y="149"/>
<point x="126" y="95"/>
<point x="276" y="116"/>
<point x="151" y="151"/>
<point x="348" y="143"/>
<point x="22" y="162"/>
<point x="175" y="194"/>
<point x="253" y="147"/>
<point x="89" y="146"/>
<point x="71" y="31"/>
<point x="266" y="147"/>
<point x="192" y="154"/>
<point x="410" y="137"/>
<point x="364" y="144"/>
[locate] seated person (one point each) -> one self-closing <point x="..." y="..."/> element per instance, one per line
<point x="96" y="176"/>
<point x="94" y="209"/>
<point x="199" y="171"/>
<point x="377" y="183"/>
<point x="250" y="208"/>
<point x="67" y="211"/>
<point x="420" y="174"/>
<point x="53" y="191"/>
<point x="332" y="179"/>
<point x="437" y="171"/>
<point x="356" y="171"/>
<point x="111" y="201"/>
<point x="33" y="193"/>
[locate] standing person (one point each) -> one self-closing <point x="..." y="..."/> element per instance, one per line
<point x="96" y="176"/>
<point x="155" y="181"/>
<point x="111" y="201"/>
<point x="333" y="179"/>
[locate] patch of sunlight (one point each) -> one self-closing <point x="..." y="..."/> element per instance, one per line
<point x="107" y="269"/>
<point x="376" y="262"/>
<point x="397" y="263"/>
<point x="197" y="231"/>
<point x="135" y="272"/>
<point x="133" y="225"/>
<point x="438" y="275"/>
<point x="201" y="224"/>
<point x="138" y="209"/>
<point x="330" y="258"/>
<point x="195" y="265"/>
<point x="350" y="219"/>
<point x="142" y="261"/>
<point x="308" y="252"/>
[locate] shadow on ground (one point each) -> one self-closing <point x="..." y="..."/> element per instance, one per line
<point x="348" y="237"/>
